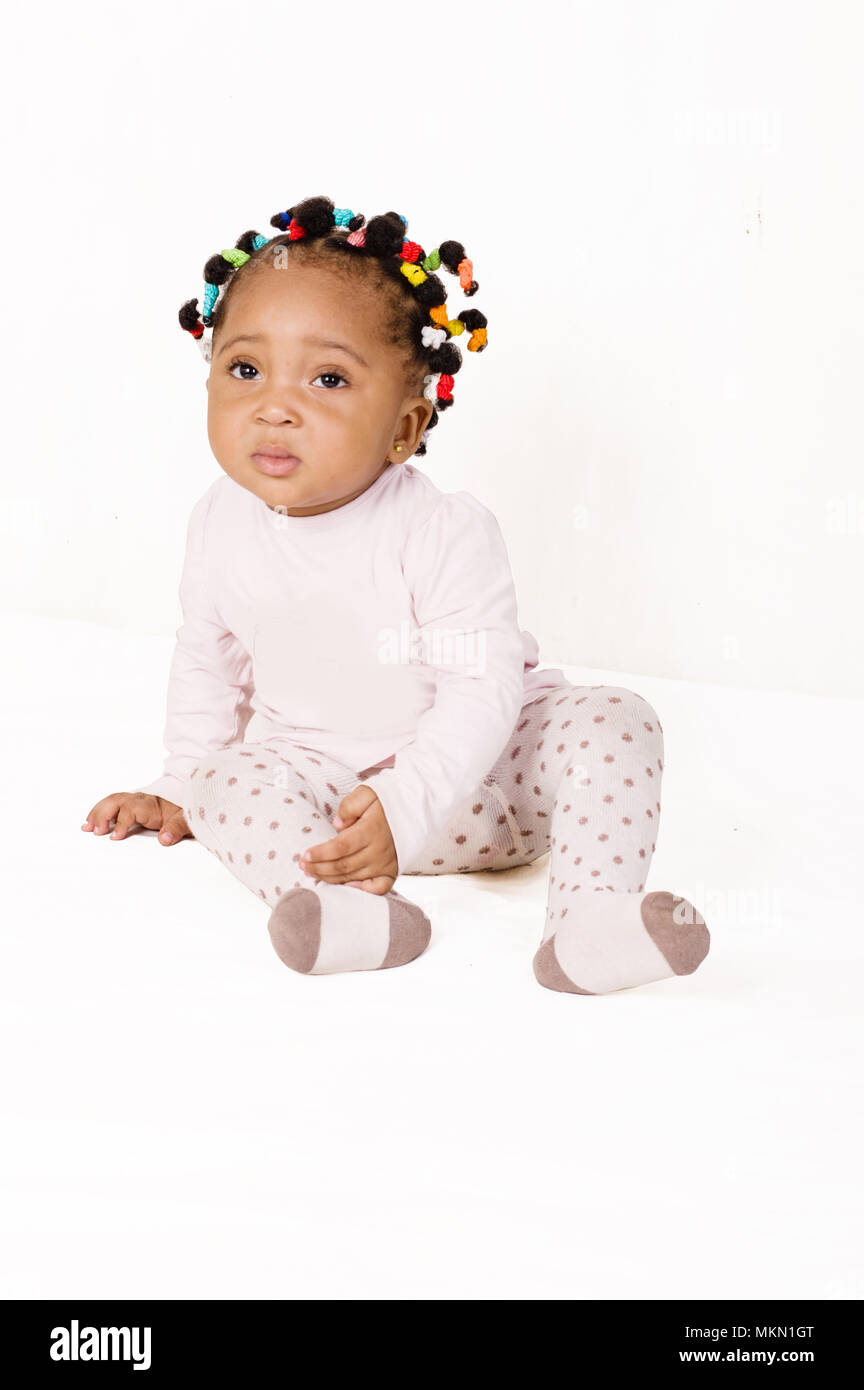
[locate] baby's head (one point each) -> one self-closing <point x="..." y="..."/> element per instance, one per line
<point x="331" y="344"/>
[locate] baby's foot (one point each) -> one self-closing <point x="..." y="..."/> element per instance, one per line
<point x="616" y="941"/>
<point x="334" y="927"/>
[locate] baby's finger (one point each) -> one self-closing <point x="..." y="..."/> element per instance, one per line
<point x="124" y="821"/>
<point x="174" y="829"/>
<point x="102" y="814"/>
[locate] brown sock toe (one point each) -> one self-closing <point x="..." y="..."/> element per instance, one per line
<point x="410" y="931"/>
<point x="549" y="972"/>
<point x="677" y="929"/>
<point x="295" y="928"/>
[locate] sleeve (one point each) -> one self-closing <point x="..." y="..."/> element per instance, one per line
<point x="210" y="679"/>
<point x="458" y="572"/>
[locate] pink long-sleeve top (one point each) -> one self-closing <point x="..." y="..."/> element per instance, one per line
<point x="383" y="633"/>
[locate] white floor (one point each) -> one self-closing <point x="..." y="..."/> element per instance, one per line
<point x="183" y="1117"/>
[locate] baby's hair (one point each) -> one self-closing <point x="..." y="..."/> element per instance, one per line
<point x="418" y="323"/>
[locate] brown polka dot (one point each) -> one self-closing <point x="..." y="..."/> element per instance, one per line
<point x="599" y="718"/>
<point x="650" y="813"/>
<point x="583" y="820"/>
<point x="211" y="773"/>
<point x="595" y="873"/>
<point x="478" y="808"/>
<point x="617" y="859"/>
<point x="628" y="781"/>
<point x="609" y="797"/>
<point x="602" y="837"/>
<point x="231" y="781"/>
<point x="256" y="791"/>
<point x="609" y="758"/>
<point x="578" y="859"/>
<point x="245" y="755"/>
<point x="563" y="912"/>
<point x="222" y="817"/>
<point x="307" y="830"/>
<point x="230" y="857"/>
<point x="247" y="820"/>
<point x="248" y="858"/>
<point x="614" y="699"/>
<point x="566" y="808"/>
<point x="274" y="825"/>
<point x="650" y="771"/>
<point x="201" y="812"/>
<point x="441" y="861"/>
<point x="261" y="765"/>
<point x="561" y="747"/>
<point x="516" y="750"/>
<point x="641" y="854"/>
<point x="584" y="743"/>
<point x="288" y="800"/>
<point x="626" y="820"/>
<point x="649" y="727"/>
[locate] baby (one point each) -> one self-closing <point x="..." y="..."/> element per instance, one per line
<point x="369" y="621"/>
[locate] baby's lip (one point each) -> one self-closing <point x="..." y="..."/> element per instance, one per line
<point x="275" y="451"/>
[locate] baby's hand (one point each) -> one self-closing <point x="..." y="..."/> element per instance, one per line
<point x="362" y="854"/>
<point x="138" y="808"/>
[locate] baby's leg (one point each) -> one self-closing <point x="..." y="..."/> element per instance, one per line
<point x="585" y="782"/>
<point x="580" y="777"/>
<point x="257" y="808"/>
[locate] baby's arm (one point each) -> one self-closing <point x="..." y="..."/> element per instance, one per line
<point x="458" y="572"/>
<point x="208" y="700"/>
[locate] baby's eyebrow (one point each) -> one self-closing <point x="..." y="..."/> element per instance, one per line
<point x="314" y="342"/>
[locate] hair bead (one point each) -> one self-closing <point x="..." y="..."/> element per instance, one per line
<point x="413" y="274"/>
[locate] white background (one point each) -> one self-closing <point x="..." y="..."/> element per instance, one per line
<point x="663" y="206"/>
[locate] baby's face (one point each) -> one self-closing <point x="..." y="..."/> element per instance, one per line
<point x="272" y="387"/>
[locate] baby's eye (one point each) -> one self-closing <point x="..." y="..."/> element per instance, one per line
<point x="240" y="363"/>
<point x="338" y="376"/>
